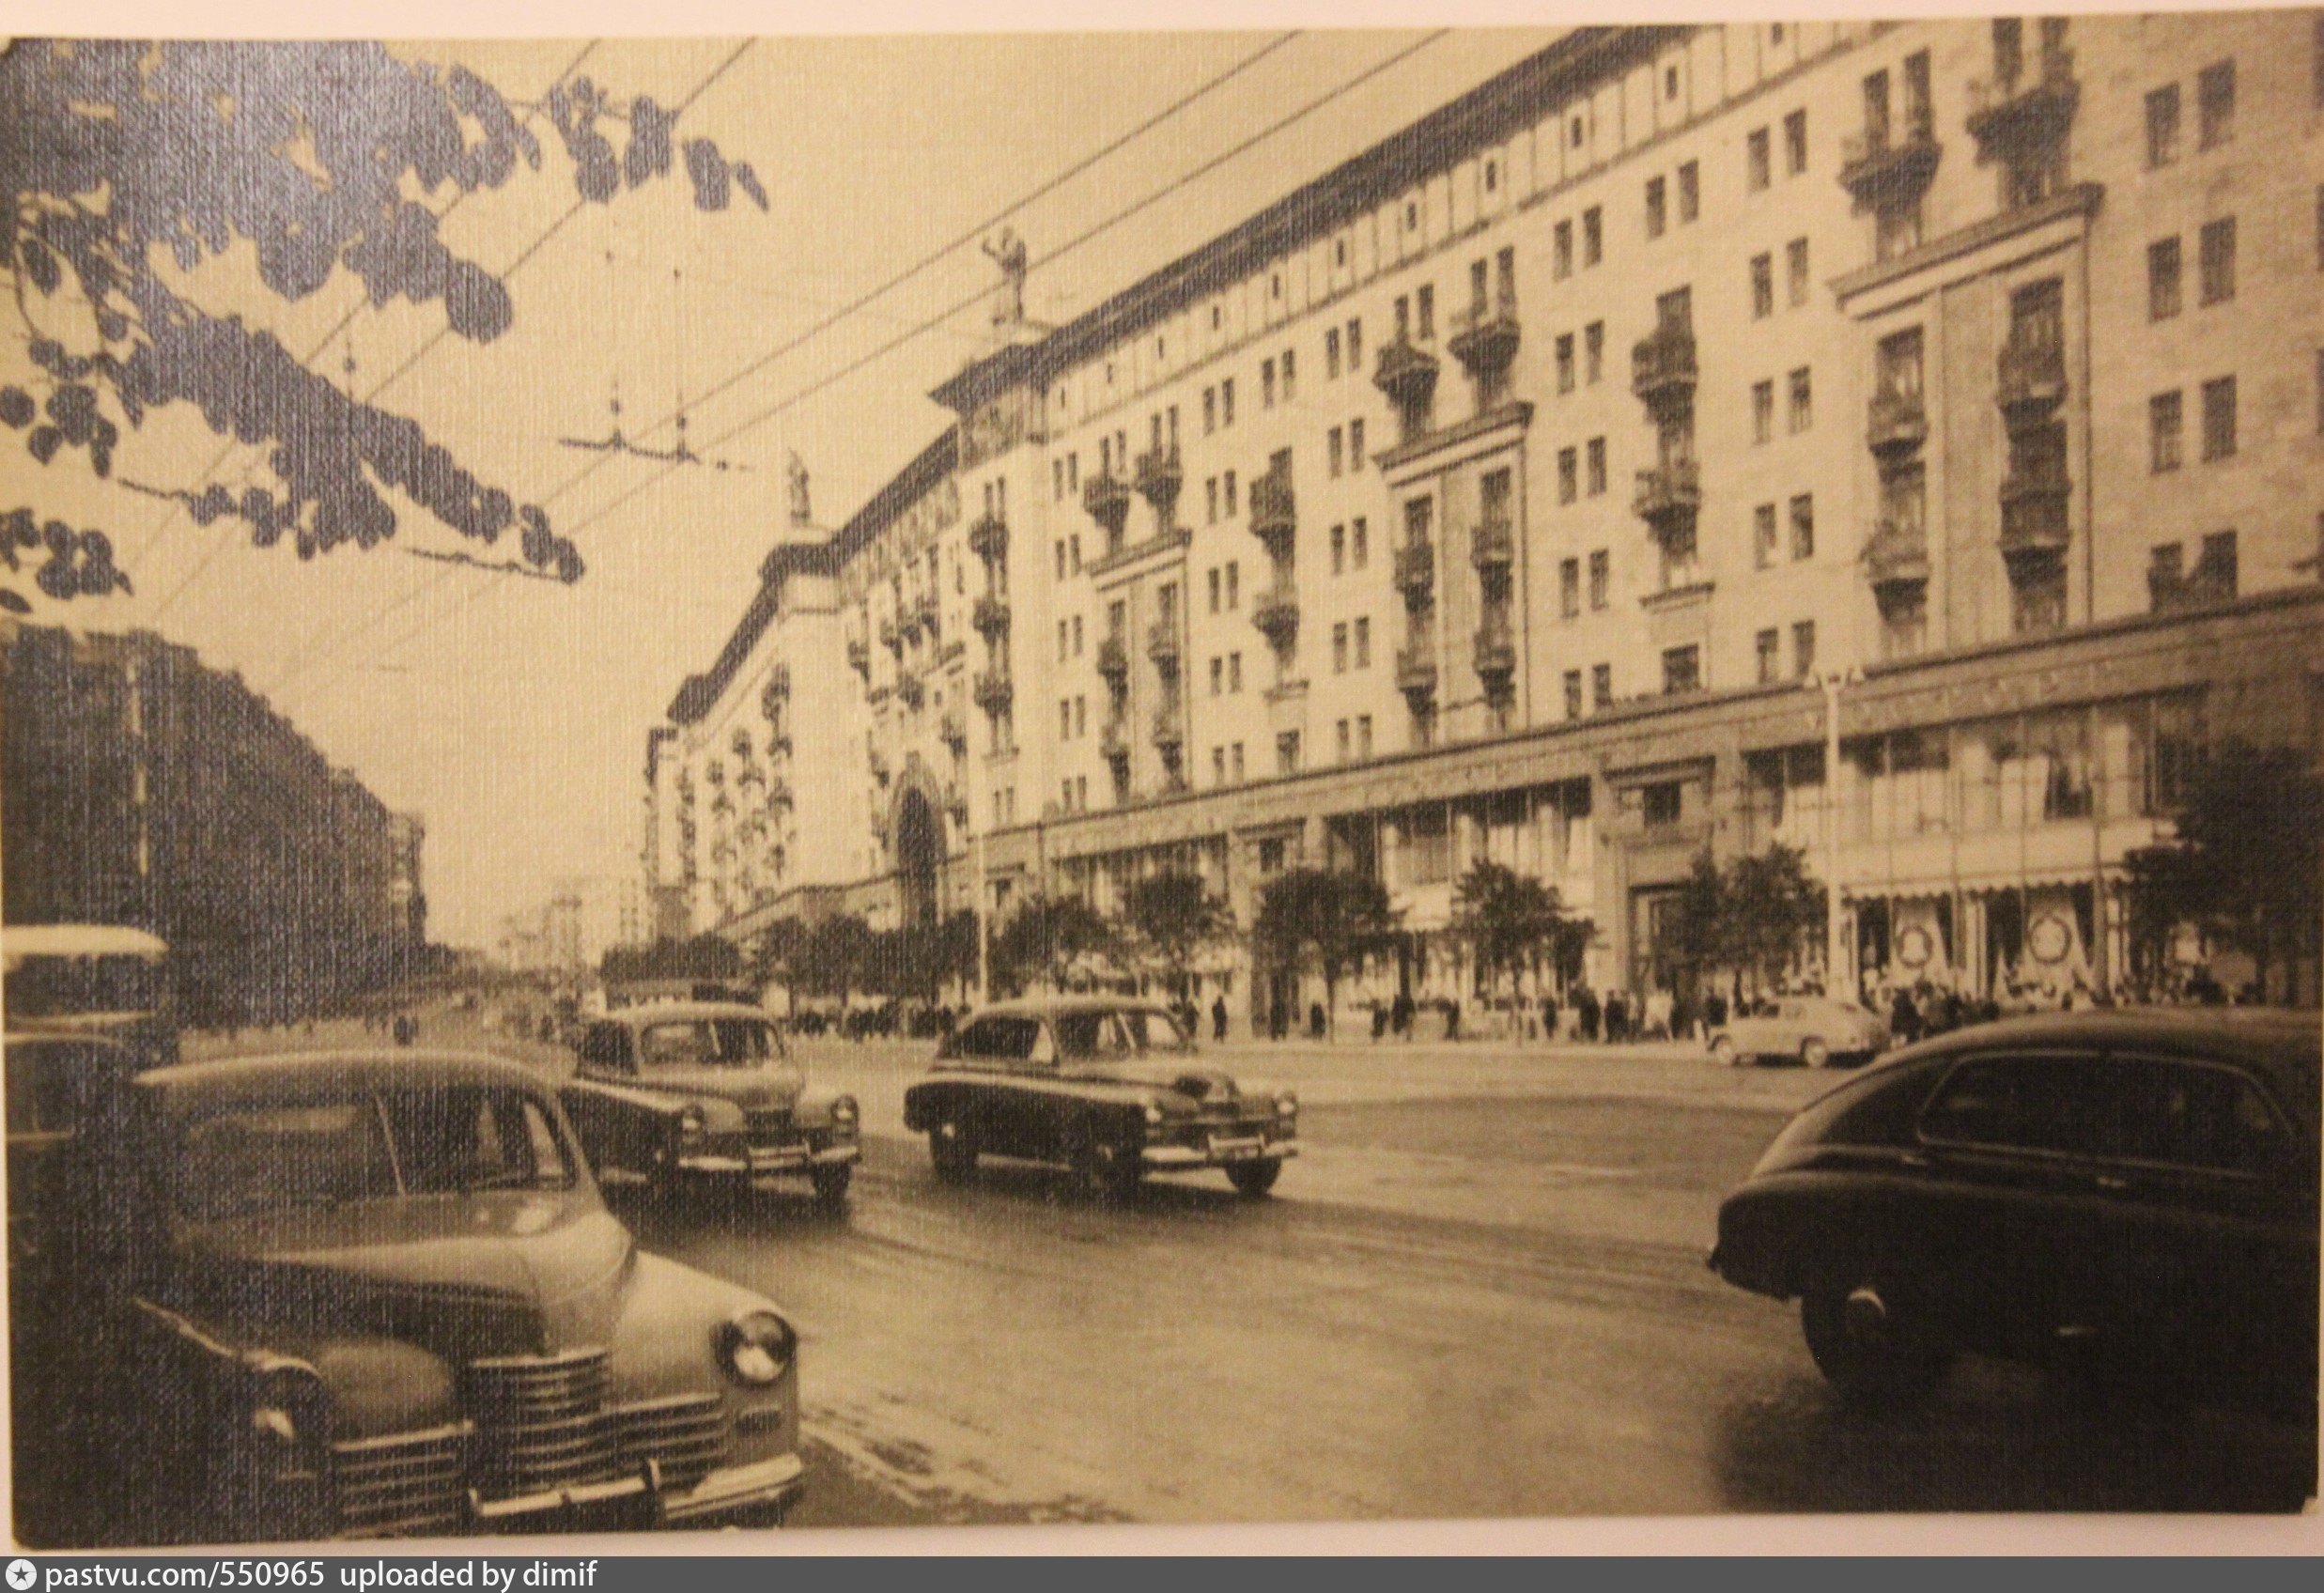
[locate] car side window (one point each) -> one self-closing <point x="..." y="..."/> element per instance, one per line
<point x="1042" y="1050"/>
<point x="2177" y="1113"/>
<point x="606" y="1046"/>
<point x="2059" y="1103"/>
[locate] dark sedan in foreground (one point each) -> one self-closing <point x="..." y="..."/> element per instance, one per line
<point x="2133" y="1193"/>
<point x="371" y="1294"/>
<point x="1111" y="1088"/>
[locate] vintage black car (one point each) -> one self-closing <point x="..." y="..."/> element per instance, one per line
<point x="2129" y="1193"/>
<point x="1108" y="1087"/>
<point x="55" y="1078"/>
<point x="376" y="1294"/>
<point x="668" y="1094"/>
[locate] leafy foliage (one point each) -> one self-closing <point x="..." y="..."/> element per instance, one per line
<point x="1332" y="920"/>
<point x="117" y="156"/>
<point x="1749" y="918"/>
<point x="1173" y="916"/>
<point x="703" y="956"/>
<point x="1510" y="920"/>
<point x="1044" y="937"/>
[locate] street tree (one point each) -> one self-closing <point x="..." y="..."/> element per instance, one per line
<point x="1173" y="916"/>
<point x="1509" y="920"/>
<point x="1325" y="917"/>
<point x="131" y="167"/>
<point x="2244" y="866"/>
<point x="1044" y="938"/>
<point x="774" y="957"/>
<point x="834" y="957"/>
<point x="1748" y="918"/>
<point x="705" y="956"/>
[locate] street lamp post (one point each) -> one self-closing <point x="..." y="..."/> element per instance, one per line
<point x="1833" y="682"/>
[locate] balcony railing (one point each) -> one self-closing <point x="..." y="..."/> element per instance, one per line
<point x="2035" y="528"/>
<point x="2024" y="112"/>
<point x="991" y="614"/>
<point x="1668" y="495"/>
<point x="1275" y="613"/>
<point x="1162" y="643"/>
<point x="1114" y="658"/>
<point x="891" y="634"/>
<point x="1887" y="169"/>
<point x="994" y="691"/>
<point x="1484" y="336"/>
<point x="1160" y="477"/>
<point x="1497" y="649"/>
<point x="1494" y="546"/>
<point x="1107" y="501"/>
<point x="1405" y="372"/>
<point x="988" y="538"/>
<point x="1416" y="569"/>
<point x="1170" y="728"/>
<point x="1896" y="422"/>
<point x="1416" y="668"/>
<point x="911" y="689"/>
<point x="1895" y="557"/>
<point x="2030" y="381"/>
<point x="953" y="728"/>
<point x="1662" y="366"/>
<point x="1113" y="737"/>
<point x="1274" y="508"/>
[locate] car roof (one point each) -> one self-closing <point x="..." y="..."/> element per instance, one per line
<point x="2286" y="1049"/>
<point x="1060" y="1006"/>
<point x="685" y="1012"/>
<point x="22" y="940"/>
<point x="275" y="1074"/>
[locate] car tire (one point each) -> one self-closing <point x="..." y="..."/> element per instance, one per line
<point x="953" y="1152"/>
<point x="1862" y="1361"/>
<point x="830" y="1183"/>
<point x="1254" y="1180"/>
<point x="1723" y="1052"/>
<point x="1814" y="1053"/>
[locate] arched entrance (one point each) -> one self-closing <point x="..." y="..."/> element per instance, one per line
<point x="919" y="853"/>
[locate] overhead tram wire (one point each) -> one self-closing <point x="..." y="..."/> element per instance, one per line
<point x="922" y="328"/>
<point x="853" y="307"/>
<point x="209" y="472"/>
<point x="436" y="339"/>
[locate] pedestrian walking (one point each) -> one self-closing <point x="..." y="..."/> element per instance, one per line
<point x="1315" y="1020"/>
<point x="1617" y="1016"/>
<point x="1587" y="1008"/>
<point x="1218" y="1016"/>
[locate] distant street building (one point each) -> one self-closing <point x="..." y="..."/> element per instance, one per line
<point x="570" y="934"/>
<point x="144" y="788"/>
<point x="1516" y="489"/>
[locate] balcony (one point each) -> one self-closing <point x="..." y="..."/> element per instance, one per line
<point x="2034" y="526"/>
<point x="991" y="616"/>
<point x="1668" y="497"/>
<point x="1162" y="644"/>
<point x="1113" y="738"/>
<point x="778" y="792"/>
<point x="2172" y="588"/>
<point x="2023" y="114"/>
<point x="779" y="681"/>
<point x="988" y="538"/>
<point x="994" y="691"/>
<point x="1113" y="660"/>
<point x="1484" y="336"/>
<point x="1495" y="545"/>
<point x="1888" y="170"/>
<point x="1895" y="559"/>
<point x="1159" y="477"/>
<point x="891" y="635"/>
<point x="1108" y="502"/>
<point x="1661" y="368"/>
<point x="911" y="689"/>
<point x="879" y="760"/>
<point x="860" y="655"/>
<point x="1170" y="728"/>
<point x="924" y="614"/>
<point x="1415" y="569"/>
<point x="1405" y="372"/>
<point x="1496" y="652"/>
<point x="1896" y="422"/>
<point x="1274" y="508"/>
<point x="956" y="805"/>
<point x="1416" y="670"/>
<point x="2031" y="382"/>
<point x="1275" y="613"/>
<point x="953" y="728"/>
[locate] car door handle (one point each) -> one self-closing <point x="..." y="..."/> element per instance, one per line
<point x="2112" y="1183"/>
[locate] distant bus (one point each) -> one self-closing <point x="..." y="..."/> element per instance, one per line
<point x="104" y="979"/>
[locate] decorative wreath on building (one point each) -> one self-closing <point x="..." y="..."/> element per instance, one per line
<point x="1914" y="947"/>
<point x="2050" y="939"/>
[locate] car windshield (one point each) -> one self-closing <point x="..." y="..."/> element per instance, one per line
<point x="251" y="1158"/>
<point x="708" y="1042"/>
<point x="1127" y="1032"/>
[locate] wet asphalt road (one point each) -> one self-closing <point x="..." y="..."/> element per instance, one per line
<point x="1480" y="1293"/>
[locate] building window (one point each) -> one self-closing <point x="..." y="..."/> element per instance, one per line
<point x="2163" y="125"/>
<point x="1682" y="671"/>
<point x="1596" y="456"/>
<point x="1562" y="251"/>
<point x="1331" y="348"/>
<point x="1795" y="270"/>
<point x="1356" y="444"/>
<point x="1804" y="649"/>
<point x="1234" y="674"/>
<point x="1593" y="236"/>
<point x="1802" y="410"/>
<point x="1235" y="585"/>
<point x="1602" y="686"/>
<point x="1266" y="384"/>
<point x="1424" y="310"/>
<point x="1218" y="765"/>
<point x="1763" y="287"/>
<point x="2162" y="275"/>
<point x="1766" y="648"/>
<point x="1237" y="751"/>
<point x="1226" y="402"/>
<point x="1657" y="209"/>
<point x="1356" y="344"/>
<point x="1569" y="474"/>
<point x="1333" y="451"/>
<point x="2218" y="250"/>
<point x="1072" y="546"/>
<point x="1756" y="172"/>
<point x="1363" y="643"/>
<point x="1291" y="376"/>
<point x="1287" y="752"/>
<point x="1573" y="694"/>
<point x="2218" y="418"/>
<point x="1214" y="589"/>
<point x="1569" y="588"/>
<point x="1218" y="676"/>
<point x="1804" y="526"/>
<point x="1363" y="554"/>
<point x="1764" y="540"/>
<point x="1593" y="353"/>
<point x="1363" y="735"/>
<point x="1347" y="742"/>
<point x="1565" y="362"/>
<point x="1762" y="411"/>
<point x="2163" y="421"/>
<point x="1339" y="648"/>
<point x="1230" y="495"/>
<point x="1339" y="549"/>
<point x="1796" y="143"/>
<point x="1601" y="578"/>
<point x="1077" y="636"/>
<point x="1896" y="231"/>
<point x="2215" y="105"/>
<point x="1690" y="192"/>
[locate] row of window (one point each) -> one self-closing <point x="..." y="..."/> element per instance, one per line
<point x="1593" y="352"/>
<point x="1800" y="411"/>
<point x="1795" y="272"/>
<point x="2215" y="112"/>
<point x="2165" y="420"/>
<point x="1758" y="153"/>
<point x="1766" y="650"/>
<point x="2216" y="270"/>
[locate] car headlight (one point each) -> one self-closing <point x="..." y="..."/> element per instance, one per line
<point x="690" y="1123"/>
<point x="844" y="1112"/>
<point x="290" y="1407"/>
<point x="1287" y="1105"/>
<point x="754" y="1348"/>
<point x="1154" y="1112"/>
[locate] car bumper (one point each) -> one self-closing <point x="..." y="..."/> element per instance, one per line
<point x="1219" y="1153"/>
<point x="757" y="1493"/>
<point x="769" y="1161"/>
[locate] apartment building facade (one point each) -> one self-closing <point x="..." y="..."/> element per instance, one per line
<point x="1533" y="485"/>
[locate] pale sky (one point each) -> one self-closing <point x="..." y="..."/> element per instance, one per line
<point x="512" y="714"/>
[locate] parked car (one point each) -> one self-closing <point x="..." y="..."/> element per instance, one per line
<point x="671" y="1094"/>
<point x="2133" y="1191"/>
<point x="1108" y="1086"/>
<point x="1819" y="1031"/>
<point x="56" y="1080"/>
<point x="376" y="1294"/>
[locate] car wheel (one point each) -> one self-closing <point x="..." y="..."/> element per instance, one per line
<point x="1723" y="1051"/>
<point x="1815" y="1053"/>
<point x="953" y="1152"/>
<point x="1857" y="1346"/>
<point x="831" y="1182"/>
<point x="1107" y="1170"/>
<point x="1253" y="1179"/>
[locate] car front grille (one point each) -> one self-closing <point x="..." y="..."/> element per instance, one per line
<point x="404" y="1484"/>
<point x="770" y="1126"/>
<point x="540" y="1422"/>
<point x="685" y="1435"/>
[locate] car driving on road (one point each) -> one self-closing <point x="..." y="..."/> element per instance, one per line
<point x="376" y="1294"/>
<point x="1110" y="1089"/>
<point x="2133" y="1191"/>
<point x="1817" y="1030"/>
<point x="666" y="1094"/>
